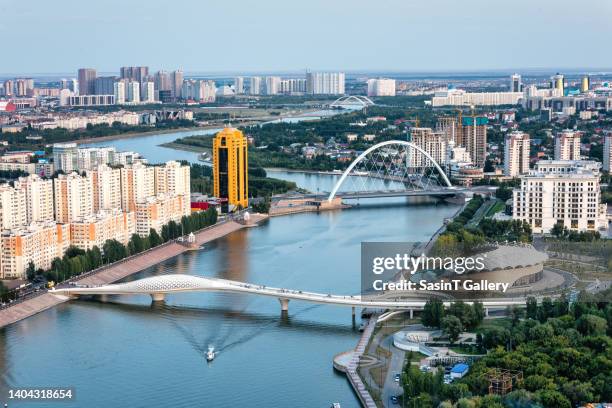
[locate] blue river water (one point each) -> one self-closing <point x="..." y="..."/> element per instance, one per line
<point x="125" y="352"/>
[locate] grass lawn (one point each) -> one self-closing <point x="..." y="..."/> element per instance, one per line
<point x="495" y="208"/>
<point x="504" y="323"/>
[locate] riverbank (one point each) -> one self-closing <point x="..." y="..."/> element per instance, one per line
<point x="124" y="268"/>
<point x="131" y="135"/>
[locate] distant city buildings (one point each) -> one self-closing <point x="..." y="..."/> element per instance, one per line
<point x="239" y="85"/>
<point x="87" y="81"/>
<point x="381" y="87"/>
<point x="516" y="85"/>
<point x="607" y="153"/>
<point x="459" y="97"/>
<point x="255" y="86"/>
<point x="325" y="83"/>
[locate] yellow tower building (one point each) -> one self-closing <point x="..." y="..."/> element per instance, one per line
<point x="230" y="167"/>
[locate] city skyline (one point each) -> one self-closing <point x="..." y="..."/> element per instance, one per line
<point x="265" y="39"/>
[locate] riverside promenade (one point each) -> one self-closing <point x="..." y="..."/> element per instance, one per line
<point x="124" y="268"/>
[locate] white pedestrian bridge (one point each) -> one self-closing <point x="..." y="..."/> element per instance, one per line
<point x="158" y="286"/>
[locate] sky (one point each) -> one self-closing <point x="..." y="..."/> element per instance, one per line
<point x="233" y="36"/>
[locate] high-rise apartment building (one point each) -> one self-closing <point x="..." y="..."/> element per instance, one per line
<point x="561" y="192"/>
<point x="105" y="85"/>
<point x="106" y="188"/>
<point x="87" y="81"/>
<point x="38" y="243"/>
<point x="272" y="85"/>
<point x="230" y="167"/>
<point x="65" y="157"/>
<point x="147" y="92"/>
<point x="325" y="83"/>
<point x="585" y="84"/>
<point x="138" y="74"/>
<point x="137" y="185"/>
<point x="567" y="145"/>
<point x="155" y="212"/>
<point x="13" y="207"/>
<point x="255" y="86"/>
<point x="120" y="92"/>
<point x="73" y="197"/>
<point x="39" y="198"/>
<point x="381" y="87"/>
<point x="176" y="79"/>
<point x="433" y="143"/>
<point x="516" y="154"/>
<point x="239" y="85"/>
<point x="450" y="126"/>
<point x="9" y="87"/>
<point x="24" y="86"/>
<point x="607" y="153"/>
<point x="199" y="90"/>
<point x="95" y="230"/>
<point x="173" y="178"/>
<point x="133" y="92"/>
<point x="516" y="85"/>
<point x="162" y="81"/>
<point x="473" y="136"/>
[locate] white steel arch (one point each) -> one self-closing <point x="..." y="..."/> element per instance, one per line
<point x="353" y="100"/>
<point x="378" y="146"/>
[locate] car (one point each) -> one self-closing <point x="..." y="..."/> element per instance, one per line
<point x="397" y="377"/>
<point x="394" y="399"/>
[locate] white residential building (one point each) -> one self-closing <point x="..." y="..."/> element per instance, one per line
<point x="137" y="185"/>
<point x="106" y="188"/>
<point x="239" y="85"/>
<point x="381" y="87"/>
<point x="434" y="143"/>
<point x="120" y="94"/>
<point x="459" y="97"/>
<point x="255" y="87"/>
<point x="325" y="83"/>
<point x="133" y="92"/>
<point x="39" y="198"/>
<point x="561" y="192"/>
<point x="147" y="92"/>
<point x="607" y="152"/>
<point x="73" y="197"/>
<point x="567" y="145"/>
<point x="65" y="157"/>
<point x="13" y="207"/>
<point x="516" y="154"/>
<point x="272" y="85"/>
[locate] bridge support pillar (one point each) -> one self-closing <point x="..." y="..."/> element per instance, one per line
<point x="284" y="304"/>
<point x="411" y="313"/>
<point x="486" y="311"/>
<point x="353" y="312"/>
<point x="158" y="297"/>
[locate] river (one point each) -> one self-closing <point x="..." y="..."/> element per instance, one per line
<point x="124" y="352"/>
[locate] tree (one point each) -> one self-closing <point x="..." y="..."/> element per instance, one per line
<point x="589" y="325"/>
<point x="452" y="327"/>
<point x="114" y="250"/>
<point x="553" y="399"/>
<point x="154" y="238"/>
<point x="432" y="314"/>
<point x="31" y="271"/>
<point x="532" y="308"/>
<point x="137" y="243"/>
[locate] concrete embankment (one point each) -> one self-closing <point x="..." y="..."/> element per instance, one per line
<point x="123" y="269"/>
<point x="301" y="205"/>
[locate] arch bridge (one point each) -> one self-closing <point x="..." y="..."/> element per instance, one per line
<point x="352" y="101"/>
<point x="393" y="168"/>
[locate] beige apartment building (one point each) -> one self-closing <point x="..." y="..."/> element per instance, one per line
<point x="13" y="211"/>
<point x="106" y="188"/>
<point x="174" y="178"/>
<point x="434" y="143"/>
<point x="38" y="243"/>
<point x="39" y="198"/>
<point x="561" y="192"/>
<point x="567" y="145"/>
<point x="73" y="197"/>
<point x="516" y="154"/>
<point x="157" y="211"/>
<point x="95" y="230"/>
<point x="137" y="185"/>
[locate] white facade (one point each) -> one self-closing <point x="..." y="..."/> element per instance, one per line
<point x="381" y="87"/>
<point x="106" y="188"/>
<point x="325" y="83"/>
<point x="13" y="207"/>
<point x="119" y="88"/>
<point x="516" y="154"/>
<point x="39" y="198"/>
<point x="607" y="152"/>
<point x="272" y="85"/>
<point x="454" y="97"/>
<point x="239" y="85"/>
<point x="567" y="145"/>
<point x="255" y="86"/>
<point x="434" y="143"/>
<point x="133" y="92"/>
<point x="73" y="197"/>
<point x="147" y="92"/>
<point x="65" y="156"/>
<point x="564" y="192"/>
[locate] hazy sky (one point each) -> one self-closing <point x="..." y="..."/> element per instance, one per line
<point x="42" y="36"/>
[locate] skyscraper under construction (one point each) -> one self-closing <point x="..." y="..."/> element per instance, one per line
<point x="230" y="167"/>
